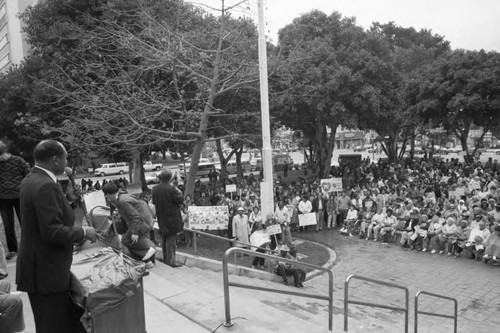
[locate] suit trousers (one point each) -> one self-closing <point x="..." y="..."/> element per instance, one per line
<point x="7" y="207"/>
<point x="168" y="245"/>
<point x="56" y="313"/>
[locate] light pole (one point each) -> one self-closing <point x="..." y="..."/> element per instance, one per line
<point x="266" y="187"/>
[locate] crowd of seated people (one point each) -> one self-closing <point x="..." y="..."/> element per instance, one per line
<point x="435" y="206"/>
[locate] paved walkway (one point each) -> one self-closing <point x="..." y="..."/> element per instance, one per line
<point x="175" y="298"/>
<point x="474" y="284"/>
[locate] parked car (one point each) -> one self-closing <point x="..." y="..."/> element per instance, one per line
<point x="232" y="167"/>
<point x="152" y="179"/>
<point x="150" y="166"/>
<point x="107" y="169"/>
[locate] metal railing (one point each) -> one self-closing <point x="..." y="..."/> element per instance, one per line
<point x="227" y="284"/>
<point x="417" y="312"/>
<point x="375" y="305"/>
<point x="231" y="240"/>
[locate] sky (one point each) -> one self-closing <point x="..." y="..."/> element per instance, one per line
<point x="467" y="24"/>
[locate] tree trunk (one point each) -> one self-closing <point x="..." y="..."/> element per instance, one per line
<point x="239" y="153"/>
<point x="412" y="147"/>
<point x="324" y="147"/>
<point x="207" y="111"/>
<point x="137" y="170"/>
<point x="222" y="159"/>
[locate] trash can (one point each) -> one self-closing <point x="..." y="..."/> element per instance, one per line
<point x="108" y="285"/>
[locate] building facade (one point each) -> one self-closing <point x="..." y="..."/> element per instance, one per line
<point x="13" y="46"/>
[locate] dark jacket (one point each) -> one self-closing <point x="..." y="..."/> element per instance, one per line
<point x="167" y="200"/>
<point x="315" y="204"/>
<point x="46" y="250"/>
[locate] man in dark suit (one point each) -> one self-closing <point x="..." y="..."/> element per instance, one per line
<point x="46" y="248"/>
<point x="168" y="200"/>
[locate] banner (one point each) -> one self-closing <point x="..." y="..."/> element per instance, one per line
<point x="331" y="184"/>
<point x="307" y="219"/>
<point x="231" y="188"/>
<point x="273" y="229"/>
<point x="208" y="217"/>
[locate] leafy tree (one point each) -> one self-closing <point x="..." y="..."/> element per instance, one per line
<point x="321" y="86"/>
<point x="397" y="53"/>
<point x="460" y="89"/>
<point x="139" y="73"/>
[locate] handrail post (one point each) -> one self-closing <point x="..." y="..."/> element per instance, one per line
<point x="407" y="312"/>
<point x="227" y="306"/>
<point x="346" y="303"/>
<point x="454" y="317"/>
<point x="227" y="284"/>
<point x="406" y="309"/>
<point x="195" y="242"/>
<point x="330" y="300"/>
<point x="415" y="325"/>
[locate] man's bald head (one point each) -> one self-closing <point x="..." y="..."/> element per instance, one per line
<point x="165" y="176"/>
<point x="47" y="149"/>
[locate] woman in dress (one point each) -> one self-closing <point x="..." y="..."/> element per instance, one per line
<point x="492" y="246"/>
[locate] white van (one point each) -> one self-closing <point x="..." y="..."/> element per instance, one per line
<point x="204" y="169"/>
<point x="111" y="169"/>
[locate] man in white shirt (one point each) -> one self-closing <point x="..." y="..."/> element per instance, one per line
<point x="283" y="217"/>
<point x="433" y="233"/>
<point x="376" y="224"/>
<point x="305" y="206"/>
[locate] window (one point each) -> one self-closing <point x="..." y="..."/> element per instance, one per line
<point x="4" y="61"/>
<point x="3" y="41"/>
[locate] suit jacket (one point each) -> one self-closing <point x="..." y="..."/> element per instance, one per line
<point x="167" y="200"/>
<point x="46" y="250"/>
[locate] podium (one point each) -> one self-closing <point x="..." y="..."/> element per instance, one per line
<point x="109" y="286"/>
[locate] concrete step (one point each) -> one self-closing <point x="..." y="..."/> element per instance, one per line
<point x="197" y="294"/>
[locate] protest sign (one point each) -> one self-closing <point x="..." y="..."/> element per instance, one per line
<point x="474" y="185"/>
<point x="273" y="229"/>
<point x="457" y="193"/>
<point x="290" y="210"/>
<point x="331" y="184"/>
<point x="231" y="188"/>
<point x="307" y="219"/>
<point x="208" y="217"/>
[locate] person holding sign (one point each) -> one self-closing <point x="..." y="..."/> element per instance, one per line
<point x="282" y="216"/>
<point x="305" y="206"/>
<point x="261" y="239"/>
<point x="255" y="217"/>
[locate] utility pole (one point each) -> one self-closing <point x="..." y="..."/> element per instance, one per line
<point x="266" y="187"/>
